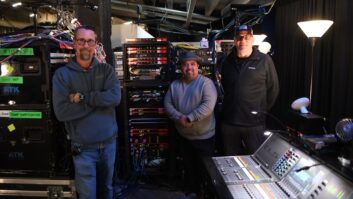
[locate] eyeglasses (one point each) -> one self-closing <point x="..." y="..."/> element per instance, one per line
<point x="90" y="42"/>
<point x="241" y="37"/>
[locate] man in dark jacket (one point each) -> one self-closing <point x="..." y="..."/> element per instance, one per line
<point x="85" y="94"/>
<point x="250" y="84"/>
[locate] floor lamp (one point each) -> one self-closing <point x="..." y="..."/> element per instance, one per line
<point x="314" y="29"/>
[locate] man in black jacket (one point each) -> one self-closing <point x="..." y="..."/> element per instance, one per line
<point x="250" y="83"/>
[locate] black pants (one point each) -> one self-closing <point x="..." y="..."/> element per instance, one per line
<point x="192" y="152"/>
<point x="240" y="140"/>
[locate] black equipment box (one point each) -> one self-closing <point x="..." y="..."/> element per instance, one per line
<point x="32" y="142"/>
<point x="28" y="141"/>
<point x="25" y="76"/>
<point x="307" y="123"/>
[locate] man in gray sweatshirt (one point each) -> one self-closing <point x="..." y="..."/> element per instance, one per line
<point x="189" y="102"/>
<point x="85" y="95"/>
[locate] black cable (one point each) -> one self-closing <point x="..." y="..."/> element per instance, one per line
<point x="307" y="167"/>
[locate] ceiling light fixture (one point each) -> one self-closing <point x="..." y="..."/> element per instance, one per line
<point x="17" y="4"/>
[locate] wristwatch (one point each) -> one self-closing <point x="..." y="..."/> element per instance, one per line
<point x="82" y="97"/>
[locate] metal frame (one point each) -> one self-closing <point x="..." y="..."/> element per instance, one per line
<point x="48" y="183"/>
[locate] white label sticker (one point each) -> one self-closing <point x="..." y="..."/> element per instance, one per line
<point x="4" y="113"/>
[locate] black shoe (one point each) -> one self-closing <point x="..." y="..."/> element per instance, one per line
<point x="190" y="196"/>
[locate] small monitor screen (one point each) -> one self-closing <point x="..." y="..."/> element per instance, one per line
<point x="303" y="177"/>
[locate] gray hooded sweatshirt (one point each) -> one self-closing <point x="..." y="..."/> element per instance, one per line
<point x="92" y="120"/>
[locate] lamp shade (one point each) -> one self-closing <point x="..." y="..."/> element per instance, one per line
<point x="315" y="28"/>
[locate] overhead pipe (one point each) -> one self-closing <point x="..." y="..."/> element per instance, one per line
<point x="211" y="6"/>
<point x="177" y="14"/>
<point x="191" y="6"/>
<point x="156" y="14"/>
<point x="170" y="4"/>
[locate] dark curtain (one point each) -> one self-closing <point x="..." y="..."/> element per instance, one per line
<point x="332" y="95"/>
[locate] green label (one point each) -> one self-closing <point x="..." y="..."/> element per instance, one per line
<point x="22" y="51"/>
<point x="11" y="80"/>
<point x="28" y="115"/>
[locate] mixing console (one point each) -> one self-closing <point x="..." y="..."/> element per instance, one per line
<point x="280" y="170"/>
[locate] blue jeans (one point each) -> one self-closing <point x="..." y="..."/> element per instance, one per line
<point x="94" y="169"/>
